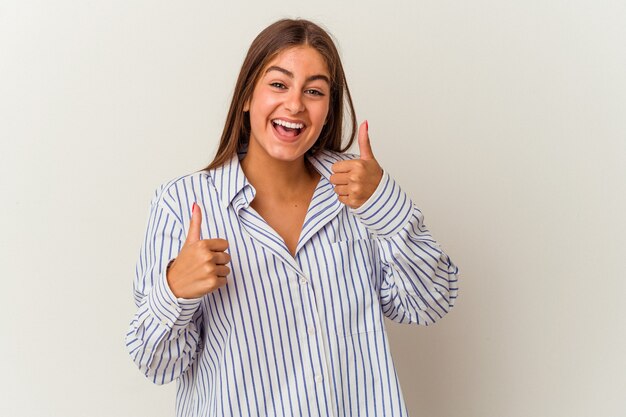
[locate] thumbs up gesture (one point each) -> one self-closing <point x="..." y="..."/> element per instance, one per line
<point x="356" y="180"/>
<point x="200" y="267"/>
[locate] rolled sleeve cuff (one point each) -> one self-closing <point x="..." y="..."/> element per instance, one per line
<point x="387" y="210"/>
<point x="170" y="311"/>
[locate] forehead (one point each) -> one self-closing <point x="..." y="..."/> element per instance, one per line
<point x="303" y="60"/>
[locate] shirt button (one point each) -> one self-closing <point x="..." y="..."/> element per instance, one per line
<point x="318" y="379"/>
<point x="303" y="281"/>
<point x="311" y="331"/>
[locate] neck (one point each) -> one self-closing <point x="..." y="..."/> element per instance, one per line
<point x="268" y="175"/>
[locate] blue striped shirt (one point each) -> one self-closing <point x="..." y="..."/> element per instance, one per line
<point x="286" y="336"/>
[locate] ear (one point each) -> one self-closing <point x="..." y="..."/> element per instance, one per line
<point x="246" y="106"/>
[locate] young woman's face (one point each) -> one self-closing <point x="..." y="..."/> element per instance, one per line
<point x="289" y="104"/>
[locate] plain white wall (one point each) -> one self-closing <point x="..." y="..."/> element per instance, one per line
<point x="515" y="110"/>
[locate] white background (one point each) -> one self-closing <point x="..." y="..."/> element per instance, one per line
<point x="504" y="120"/>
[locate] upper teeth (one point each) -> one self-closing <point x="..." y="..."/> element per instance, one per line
<point x="288" y="124"/>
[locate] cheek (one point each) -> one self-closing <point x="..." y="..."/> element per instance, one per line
<point x="324" y="115"/>
<point x="320" y="111"/>
<point x="261" y="104"/>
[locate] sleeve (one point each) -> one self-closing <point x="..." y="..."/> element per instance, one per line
<point x="418" y="282"/>
<point x="163" y="339"/>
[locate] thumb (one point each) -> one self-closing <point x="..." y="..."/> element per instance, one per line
<point x="365" y="149"/>
<point x="194" y="226"/>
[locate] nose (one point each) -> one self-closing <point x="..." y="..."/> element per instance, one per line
<point x="293" y="102"/>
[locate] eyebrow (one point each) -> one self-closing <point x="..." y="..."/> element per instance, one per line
<point x="290" y="74"/>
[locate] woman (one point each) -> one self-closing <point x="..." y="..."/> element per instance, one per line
<point x="263" y="279"/>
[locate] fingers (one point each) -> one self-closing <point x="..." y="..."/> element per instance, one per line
<point x="200" y="266"/>
<point x="340" y="179"/>
<point x="342" y="166"/>
<point x="220" y="258"/>
<point x="216" y="245"/>
<point x="344" y="199"/>
<point x="343" y="190"/>
<point x="365" y="148"/>
<point x="193" y="235"/>
<point x="356" y="180"/>
<point x="222" y="271"/>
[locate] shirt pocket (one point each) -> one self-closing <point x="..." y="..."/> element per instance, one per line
<point x="356" y="286"/>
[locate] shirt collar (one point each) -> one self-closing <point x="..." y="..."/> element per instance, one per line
<point x="233" y="186"/>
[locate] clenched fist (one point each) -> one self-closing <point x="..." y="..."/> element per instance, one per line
<point x="356" y="180"/>
<point x="200" y="267"/>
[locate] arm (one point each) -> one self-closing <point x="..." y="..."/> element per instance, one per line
<point x="163" y="339"/>
<point x="418" y="281"/>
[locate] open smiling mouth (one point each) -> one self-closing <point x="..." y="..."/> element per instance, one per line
<point x="288" y="129"/>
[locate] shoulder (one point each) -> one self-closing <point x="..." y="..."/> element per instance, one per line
<point x="182" y="191"/>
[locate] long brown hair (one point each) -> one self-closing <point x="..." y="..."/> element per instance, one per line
<point x="281" y="35"/>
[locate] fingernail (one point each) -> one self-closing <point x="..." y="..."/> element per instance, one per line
<point x="367" y="127"/>
<point x="193" y="208"/>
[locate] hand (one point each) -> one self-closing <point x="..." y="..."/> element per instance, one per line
<point x="356" y="180"/>
<point x="200" y="267"/>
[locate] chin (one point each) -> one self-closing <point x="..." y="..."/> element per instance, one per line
<point x="287" y="155"/>
<point x="288" y="152"/>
